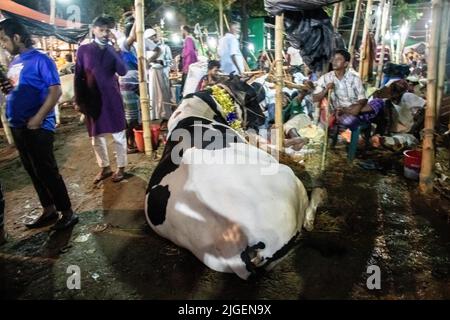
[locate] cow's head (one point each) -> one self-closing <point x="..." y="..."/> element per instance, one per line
<point x="248" y="99"/>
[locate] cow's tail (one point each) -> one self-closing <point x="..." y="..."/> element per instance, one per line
<point x="318" y="197"/>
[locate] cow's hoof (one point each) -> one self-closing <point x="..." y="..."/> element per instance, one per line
<point x="309" y="225"/>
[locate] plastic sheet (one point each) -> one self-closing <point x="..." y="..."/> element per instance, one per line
<point x="42" y="29"/>
<point x="312" y="33"/>
<point x="275" y="7"/>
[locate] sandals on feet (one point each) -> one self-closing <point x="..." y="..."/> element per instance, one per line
<point x="117" y="177"/>
<point x="102" y="176"/>
<point x="132" y="150"/>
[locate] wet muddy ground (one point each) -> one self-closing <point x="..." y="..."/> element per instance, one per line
<point x="371" y="218"/>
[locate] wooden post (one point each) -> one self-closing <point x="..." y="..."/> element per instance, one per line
<point x="354" y="33"/>
<point x="427" y="168"/>
<point x="362" y="54"/>
<point x="279" y="29"/>
<point x="384" y="23"/>
<point x="143" y="87"/>
<point x="221" y="17"/>
<point x="443" y="46"/>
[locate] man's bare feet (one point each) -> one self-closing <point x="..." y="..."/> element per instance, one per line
<point x="296" y="143"/>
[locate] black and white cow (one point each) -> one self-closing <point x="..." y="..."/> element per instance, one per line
<point x="237" y="215"/>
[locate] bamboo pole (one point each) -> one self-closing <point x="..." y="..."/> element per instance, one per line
<point x="336" y="15"/>
<point x="52" y="20"/>
<point x="378" y="31"/>
<point x="385" y="19"/>
<point x="5" y="123"/>
<point x="325" y="141"/>
<point x="279" y="29"/>
<point x="143" y="87"/>
<point x="364" y="39"/>
<point x="442" y="56"/>
<point x="354" y="33"/>
<point x="221" y="17"/>
<point x="427" y="168"/>
<point x="226" y="21"/>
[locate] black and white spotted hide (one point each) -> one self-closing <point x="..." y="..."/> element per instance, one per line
<point x="233" y="216"/>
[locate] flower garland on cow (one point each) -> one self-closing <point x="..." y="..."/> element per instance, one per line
<point x="228" y="106"/>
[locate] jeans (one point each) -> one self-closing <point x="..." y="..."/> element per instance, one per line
<point x="36" y="153"/>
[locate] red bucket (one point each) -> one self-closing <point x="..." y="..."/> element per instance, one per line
<point x="139" y="137"/>
<point x="412" y="163"/>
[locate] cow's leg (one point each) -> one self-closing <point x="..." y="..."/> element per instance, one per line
<point x="318" y="196"/>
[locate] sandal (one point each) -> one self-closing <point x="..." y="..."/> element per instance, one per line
<point x="132" y="150"/>
<point x="102" y="176"/>
<point x="117" y="177"/>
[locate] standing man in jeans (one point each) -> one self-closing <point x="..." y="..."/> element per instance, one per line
<point x="33" y="89"/>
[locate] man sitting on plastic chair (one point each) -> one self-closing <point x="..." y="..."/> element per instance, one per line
<point x="350" y="107"/>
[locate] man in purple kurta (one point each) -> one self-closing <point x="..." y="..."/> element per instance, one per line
<point x="97" y="95"/>
<point x="189" y="53"/>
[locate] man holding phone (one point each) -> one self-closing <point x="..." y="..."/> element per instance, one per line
<point x="32" y="88"/>
<point x="97" y="95"/>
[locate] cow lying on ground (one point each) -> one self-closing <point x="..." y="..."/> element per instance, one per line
<point x="228" y="202"/>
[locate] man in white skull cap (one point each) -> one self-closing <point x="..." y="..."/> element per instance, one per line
<point x="159" y="60"/>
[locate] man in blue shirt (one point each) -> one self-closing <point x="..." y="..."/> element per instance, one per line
<point x="33" y="89"/>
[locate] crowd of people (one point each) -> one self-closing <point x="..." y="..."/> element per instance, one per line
<point x="107" y="93"/>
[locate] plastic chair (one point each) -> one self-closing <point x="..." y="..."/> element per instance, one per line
<point x="364" y="128"/>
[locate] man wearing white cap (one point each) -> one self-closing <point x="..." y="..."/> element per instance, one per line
<point x="159" y="59"/>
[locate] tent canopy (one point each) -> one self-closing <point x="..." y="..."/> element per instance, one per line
<point x="38" y="23"/>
